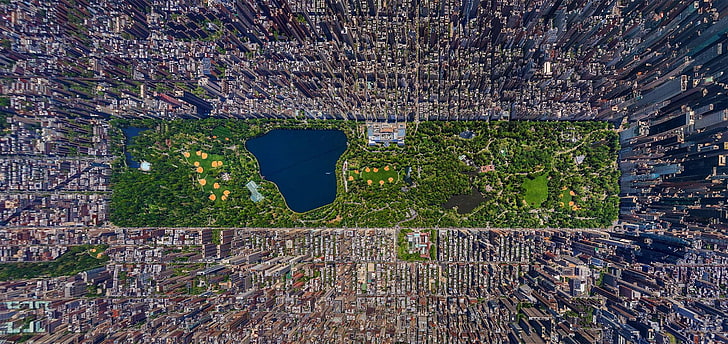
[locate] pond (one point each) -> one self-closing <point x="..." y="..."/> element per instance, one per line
<point x="130" y="133"/>
<point x="302" y="163"/>
<point x="465" y="203"/>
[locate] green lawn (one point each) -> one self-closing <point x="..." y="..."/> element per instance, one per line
<point x="221" y="133"/>
<point x="536" y="190"/>
<point x="207" y="169"/>
<point x="376" y="175"/>
<point x="565" y="197"/>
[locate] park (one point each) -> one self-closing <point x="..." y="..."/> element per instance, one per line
<point x="375" y="175"/>
<point x="507" y="174"/>
<point x="207" y="167"/>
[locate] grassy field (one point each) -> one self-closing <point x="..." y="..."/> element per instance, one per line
<point x="97" y="252"/>
<point x="375" y="175"/>
<point x="566" y="199"/>
<point x="207" y="169"/>
<point x="537" y="190"/>
<point x="221" y="133"/>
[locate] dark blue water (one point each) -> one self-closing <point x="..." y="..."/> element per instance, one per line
<point x="130" y="133"/>
<point x="302" y="163"/>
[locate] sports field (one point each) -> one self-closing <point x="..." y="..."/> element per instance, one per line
<point x="207" y="169"/>
<point x="566" y="199"/>
<point x="375" y="175"/>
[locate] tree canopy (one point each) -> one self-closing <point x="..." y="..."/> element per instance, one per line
<point x="499" y="162"/>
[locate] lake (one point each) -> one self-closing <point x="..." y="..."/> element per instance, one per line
<point x="465" y="203"/>
<point x="302" y="163"/>
<point x="130" y="133"/>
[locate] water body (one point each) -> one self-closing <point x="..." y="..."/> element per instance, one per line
<point x="130" y="133"/>
<point x="302" y="163"/>
<point x="465" y="203"/>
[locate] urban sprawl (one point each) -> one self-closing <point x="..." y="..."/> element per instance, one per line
<point x="656" y="71"/>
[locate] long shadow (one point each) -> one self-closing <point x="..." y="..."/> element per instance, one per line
<point x="37" y="199"/>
